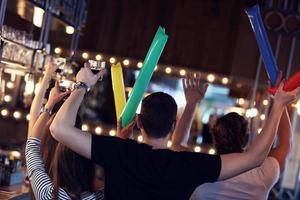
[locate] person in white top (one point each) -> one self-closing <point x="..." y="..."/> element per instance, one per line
<point x="230" y="136"/>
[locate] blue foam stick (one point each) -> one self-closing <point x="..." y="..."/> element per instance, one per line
<point x="263" y="42"/>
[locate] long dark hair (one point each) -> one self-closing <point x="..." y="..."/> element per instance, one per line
<point x="230" y="133"/>
<point x="68" y="170"/>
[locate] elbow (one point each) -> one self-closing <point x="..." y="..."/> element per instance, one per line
<point x="55" y="130"/>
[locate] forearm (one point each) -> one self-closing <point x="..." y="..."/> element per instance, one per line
<point x="37" y="102"/>
<point x="285" y="130"/>
<point x="260" y="148"/>
<point x="284" y="144"/>
<point x="39" y="127"/>
<point x="63" y="130"/>
<point x="66" y="116"/>
<point x="182" y="130"/>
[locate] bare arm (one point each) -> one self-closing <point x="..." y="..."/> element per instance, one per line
<point x="37" y="102"/>
<point x="285" y="141"/>
<point x="194" y="92"/>
<point x="236" y="163"/>
<point x="38" y="130"/>
<point x="62" y="127"/>
<point x="182" y="131"/>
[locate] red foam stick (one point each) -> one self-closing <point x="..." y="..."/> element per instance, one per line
<point x="292" y="83"/>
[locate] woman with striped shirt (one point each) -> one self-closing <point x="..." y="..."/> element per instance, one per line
<point x="72" y="175"/>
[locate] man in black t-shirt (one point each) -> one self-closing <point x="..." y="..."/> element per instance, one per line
<point x="138" y="171"/>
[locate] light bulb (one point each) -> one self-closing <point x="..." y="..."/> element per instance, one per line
<point x="98" y="130"/>
<point x="182" y="72"/>
<point x="210" y="78"/>
<point x="197" y="149"/>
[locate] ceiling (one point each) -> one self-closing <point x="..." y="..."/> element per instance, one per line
<point x="211" y="36"/>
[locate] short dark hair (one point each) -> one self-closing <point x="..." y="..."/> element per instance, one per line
<point x="158" y="114"/>
<point x="230" y="133"/>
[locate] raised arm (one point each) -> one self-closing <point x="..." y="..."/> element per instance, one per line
<point x="62" y="127"/>
<point x="284" y="137"/>
<point x="37" y="102"/>
<point x="236" y="163"/>
<point x="194" y="92"/>
<point x="55" y="96"/>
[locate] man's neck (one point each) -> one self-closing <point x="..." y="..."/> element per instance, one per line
<point x="156" y="143"/>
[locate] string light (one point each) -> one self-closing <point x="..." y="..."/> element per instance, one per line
<point x="225" y="80"/>
<point x="156" y="68"/>
<point x="210" y="78"/>
<point x="15" y="154"/>
<point x="197" y="149"/>
<point x="37" y="88"/>
<point x="259" y="130"/>
<point x="85" y="55"/>
<point x="17" y="114"/>
<point x="112" y="132"/>
<point x="262" y="117"/>
<point x="251" y="112"/>
<point x="7" y="98"/>
<point x="10" y="85"/>
<point x="98" y="130"/>
<point x="265" y="102"/>
<point x="241" y="101"/>
<point x="182" y="72"/>
<point x="212" y="151"/>
<point x="84" y="127"/>
<point x="140" y="138"/>
<point x="168" y="70"/>
<point x="28" y="117"/>
<point x="4" y="112"/>
<point x="169" y="144"/>
<point x="112" y="60"/>
<point x="98" y="57"/>
<point x="126" y="62"/>
<point x="69" y="30"/>
<point x="57" y="50"/>
<point x="139" y="64"/>
<point x="70" y="71"/>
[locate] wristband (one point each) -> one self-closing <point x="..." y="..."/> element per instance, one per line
<point x="79" y="85"/>
<point x="47" y="110"/>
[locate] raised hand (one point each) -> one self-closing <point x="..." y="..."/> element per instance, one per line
<point x="50" y="67"/>
<point x="86" y="76"/>
<point x="194" y="91"/>
<point x="284" y="98"/>
<point x="56" y="95"/>
<point x="125" y="132"/>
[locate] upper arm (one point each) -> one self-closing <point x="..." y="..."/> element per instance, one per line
<point x="75" y="139"/>
<point x="234" y="164"/>
<point x="269" y="171"/>
<point x="281" y="155"/>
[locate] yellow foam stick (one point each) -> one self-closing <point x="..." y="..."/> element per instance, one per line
<point x="118" y="88"/>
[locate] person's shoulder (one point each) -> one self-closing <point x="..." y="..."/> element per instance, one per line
<point x="271" y="162"/>
<point x="269" y="171"/>
<point x="112" y="140"/>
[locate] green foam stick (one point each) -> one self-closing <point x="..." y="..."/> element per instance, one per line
<point x="143" y="79"/>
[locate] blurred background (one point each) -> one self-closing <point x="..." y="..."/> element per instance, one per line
<point x="213" y="37"/>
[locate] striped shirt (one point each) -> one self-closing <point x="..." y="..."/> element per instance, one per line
<point x="40" y="181"/>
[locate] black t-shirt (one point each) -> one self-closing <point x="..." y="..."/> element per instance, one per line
<point x="136" y="171"/>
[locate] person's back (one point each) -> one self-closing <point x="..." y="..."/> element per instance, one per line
<point x="230" y="135"/>
<point x="253" y="184"/>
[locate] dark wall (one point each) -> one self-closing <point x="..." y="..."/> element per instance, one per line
<point x="202" y="34"/>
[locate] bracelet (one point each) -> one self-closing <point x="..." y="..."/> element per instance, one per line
<point x="47" y="110"/>
<point x="79" y="85"/>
